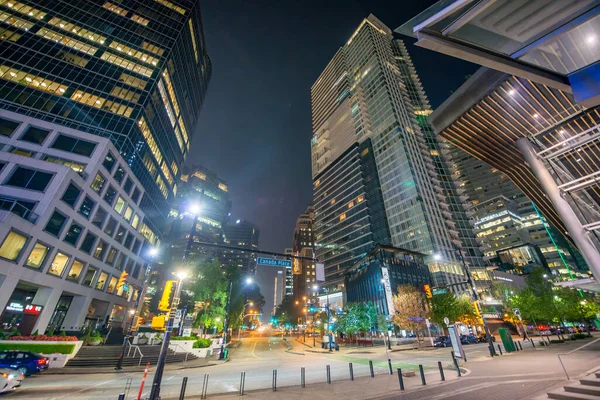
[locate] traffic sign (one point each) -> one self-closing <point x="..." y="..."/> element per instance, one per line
<point x="438" y="291"/>
<point x="517" y="312"/>
<point x="272" y="262"/>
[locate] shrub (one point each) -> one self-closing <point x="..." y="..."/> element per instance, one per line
<point x="576" y="336"/>
<point x="542" y="343"/>
<point x="44" y="338"/>
<point x="35" y="333"/>
<point x="63" y="333"/>
<point x="39" y="347"/>
<point x="202" y="343"/>
<point x="184" y="337"/>
<point x="557" y="341"/>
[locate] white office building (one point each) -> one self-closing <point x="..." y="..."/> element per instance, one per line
<point x="70" y="227"/>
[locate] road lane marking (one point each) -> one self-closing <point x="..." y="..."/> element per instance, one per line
<point x="256" y="341"/>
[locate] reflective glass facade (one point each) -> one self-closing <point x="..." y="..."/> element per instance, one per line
<point x="133" y="71"/>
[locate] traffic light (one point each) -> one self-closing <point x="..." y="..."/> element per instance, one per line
<point x="165" y="301"/>
<point x="428" y="291"/>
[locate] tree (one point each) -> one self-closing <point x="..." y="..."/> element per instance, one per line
<point x="288" y="312"/>
<point x="444" y="305"/>
<point x="358" y="317"/>
<point x="466" y="311"/>
<point x="410" y="309"/>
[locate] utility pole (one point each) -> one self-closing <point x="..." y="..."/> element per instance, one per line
<point x="467" y="272"/>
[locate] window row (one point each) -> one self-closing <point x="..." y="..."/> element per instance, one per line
<point x="63" y="265"/>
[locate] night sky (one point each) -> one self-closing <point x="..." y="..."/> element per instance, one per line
<point x="255" y="127"/>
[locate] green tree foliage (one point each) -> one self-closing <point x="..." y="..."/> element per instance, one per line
<point x="444" y="306"/>
<point x="288" y="312"/>
<point x="358" y="317"/>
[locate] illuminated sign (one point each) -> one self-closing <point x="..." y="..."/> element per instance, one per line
<point x="388" y="291"/>
<point x="15" y="307"/>
<point x="271" y="262"/>
<point x="33" y="309"/>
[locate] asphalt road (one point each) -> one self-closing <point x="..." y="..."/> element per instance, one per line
<point x="258" y="355"/>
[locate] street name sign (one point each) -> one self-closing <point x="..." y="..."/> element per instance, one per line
<point x="272" y="262"/>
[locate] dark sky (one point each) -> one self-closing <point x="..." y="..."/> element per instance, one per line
<point x="255" y="127"/>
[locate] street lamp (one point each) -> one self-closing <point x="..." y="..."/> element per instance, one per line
<point x="125" y="341"/>
<point x="162" y="358"/>
<point x="153" y="252"/>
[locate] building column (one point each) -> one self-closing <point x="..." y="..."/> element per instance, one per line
<point x="47" y="297"/>
<point x="7" y="287"/>
<point x="563" y="208"/>
<point x="76" y="313"/>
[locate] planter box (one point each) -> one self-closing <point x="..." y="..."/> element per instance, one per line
<point x="151" y="337"/>
<point x="181" y="345"/>
<point x="56" y="360"/>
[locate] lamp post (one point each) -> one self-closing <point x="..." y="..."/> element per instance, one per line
<point x="125" y="340"/>
<point x="162" y="358"/>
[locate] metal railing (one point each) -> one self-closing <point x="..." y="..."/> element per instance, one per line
<point x="136" y="349"/>
<point x="179" y="347"/>
<point x="571" y="352"/>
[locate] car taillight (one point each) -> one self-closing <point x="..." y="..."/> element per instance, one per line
<point x="5" y="375"/>
<point x="42" y="361"/>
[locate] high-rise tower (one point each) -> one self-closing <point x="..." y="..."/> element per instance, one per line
<point x="133" y="71"/>
<point x="370" y="94"/>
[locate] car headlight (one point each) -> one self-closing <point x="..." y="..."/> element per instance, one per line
<point x="12" y="376"/>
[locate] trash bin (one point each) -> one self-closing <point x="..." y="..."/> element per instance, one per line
<point x="225" y="354"/>
<point x="337" y="347"/>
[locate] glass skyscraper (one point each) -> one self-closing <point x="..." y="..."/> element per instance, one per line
<point x="370" y="91"/>
<point x="133" y="71"/>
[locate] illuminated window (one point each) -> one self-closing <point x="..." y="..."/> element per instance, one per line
<point x="165" y="170"/>
<point x="223" y="187"/>
<point x="343" y="217"/>
<point x="119" y="205"/>
<point x="364" y="152"/>
<point x="317" y="182"/>
<point x="128" y="65"/>
<point x="75" y="271"/>
<point x="125" y="94"/>
<point x="135" y="222"/>
<point x="72" y="58"/>
<point x="351" y="204"/>
<point x="77" y="30"/>
<point x="360" y="198"/>
<point x="133" y="53"/>
<point x="12" y="246"/>
<point x="115" y="8"/>
<point x="58" y="264"/>
<point x="67" y="41"/>
<point x="161" y="185"/>
<point x="434" y="152"/>
<point x="139" y="20"/>
<point x="172" y="6"/>
<point x="179" y="139"/>
<point x="147" y="233"/>
<point x="100" y="102"/>
<point x="101" y="280"/>
<point x="169" y="85"/>
<point x="30" y="80"/>
<point x="128" y="213"/>
<point x="199" y="175"/>
<point x="37" y="256"/>
<point x="332" y="202"/>
<point x="150" y="140"/>
<point x="132" y="81"/>
<point x="163" y="95"/>
<point x="75" y="166"/>
<point x="9" y="34"/>
<point x="152" y="48"/>
<point x="191" y="26"/>
<point x="174" y="167"/>
<point x="23" y="9"/>
<point x="149" y="165"/>
<point x="184" y="132"/>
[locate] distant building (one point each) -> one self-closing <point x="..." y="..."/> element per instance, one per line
<point x="303" y="246"/>
<point x="203" y="189"/>
<point x="289" y="276"/>
<point x="71" y="227"/>
<point x="271" y="282"/>
<point x="244" y="234"/>
<point x="376" y="276"/>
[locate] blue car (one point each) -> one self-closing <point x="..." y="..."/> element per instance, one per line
<point x="442" y="341"/>
<point x="25" y="362"/>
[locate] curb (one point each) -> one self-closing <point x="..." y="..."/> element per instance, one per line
<point x="82" y="371"/>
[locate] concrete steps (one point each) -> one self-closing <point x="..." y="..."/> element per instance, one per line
<point x="587" y="389"/>
<point x="108" y="356"/>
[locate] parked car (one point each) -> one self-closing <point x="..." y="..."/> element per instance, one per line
<point x="10" y="379"/>
<point x="442" y="341"/>
<point x="482" y="338"/>
<point x="25" y="362"/>
<point x="468" y="339"/>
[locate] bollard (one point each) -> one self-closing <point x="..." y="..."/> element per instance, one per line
<point x="302" y="377"/>
<point x="500" y="349"/>
<point x="328" y="368"/>
<point x="441" y="371"/>
<point x="532" y="343"/>
<point x="371" y="368"/>
<point x="274" y="380"/>
<point x="400" y="379"/>
<point x="422" y="375"/>
<point x="390" y="366"/>
<point x="516" y="345"/>
<point x="520" y="346"/>
<point x="351" y="371"/>
<point x="242" y="382"/>
<point x="456" y="365"/>
<point x="122" y="396"/>
<point x="204" y="386"/>
<point x="183" y="387"/>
